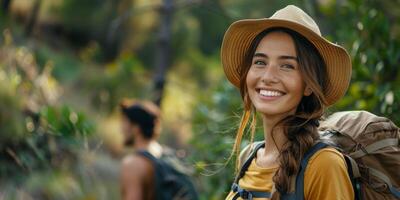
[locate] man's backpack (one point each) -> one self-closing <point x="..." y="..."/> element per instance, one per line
<point x="171" y="181"/>
<point x="370" y="145"/>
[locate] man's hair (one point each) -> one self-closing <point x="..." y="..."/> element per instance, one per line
<point x="144" y="114"/>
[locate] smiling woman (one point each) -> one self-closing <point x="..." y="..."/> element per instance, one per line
<point x="288" y="73"/>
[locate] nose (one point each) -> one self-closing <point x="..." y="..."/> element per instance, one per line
<point x="270" y="74"/>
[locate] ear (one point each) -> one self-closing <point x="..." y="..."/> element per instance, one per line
<point x="307" y="91"/>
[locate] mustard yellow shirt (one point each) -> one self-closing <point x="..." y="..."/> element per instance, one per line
<point x="325" y="178"/>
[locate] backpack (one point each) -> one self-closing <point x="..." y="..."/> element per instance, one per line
<point x="370" y="145"/>
<point x="171" y="180"/>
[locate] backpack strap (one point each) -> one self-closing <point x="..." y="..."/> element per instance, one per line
<point x="365" y="151"/>
<point x="374" y="147"/>
<point x="299" y="191"/>
<point x="354" y="174"/>
<point x="243" y="193"/>
<point x="386" y="180"/>
<point x="147" y="155"/>
<point x="248" y="160"/>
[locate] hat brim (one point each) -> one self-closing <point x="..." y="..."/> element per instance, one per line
<point x="240" y="34"/>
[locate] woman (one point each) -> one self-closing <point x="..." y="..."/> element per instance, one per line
<point x="288" y="74"/>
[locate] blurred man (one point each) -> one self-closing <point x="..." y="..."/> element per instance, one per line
<point x="140" y="126"/>
<point x="152" y="172"/>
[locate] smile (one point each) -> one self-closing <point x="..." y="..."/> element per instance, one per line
<point x="270" y="93"/>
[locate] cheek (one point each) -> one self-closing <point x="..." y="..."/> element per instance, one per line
<point x="125" y="127"/>
<point x="251" y="83"/>
<point x="297" y="86"/>
<point x="251" y="80"/>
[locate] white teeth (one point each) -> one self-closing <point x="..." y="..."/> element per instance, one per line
<point x="270" y="93"/>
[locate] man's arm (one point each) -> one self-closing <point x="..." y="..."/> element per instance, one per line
<point x="133" y="172"/>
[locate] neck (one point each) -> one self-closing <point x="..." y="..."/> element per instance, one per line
<point x="141" y="143"/>
<point x="273" y="135"/>
<point x="151" y="146"/>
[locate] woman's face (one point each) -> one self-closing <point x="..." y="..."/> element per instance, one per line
<point x="274" y="83"/>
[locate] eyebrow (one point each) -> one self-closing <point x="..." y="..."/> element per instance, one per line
<point x="280" y="57"/>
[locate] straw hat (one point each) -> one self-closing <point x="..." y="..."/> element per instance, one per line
<point x="240" y="34"/>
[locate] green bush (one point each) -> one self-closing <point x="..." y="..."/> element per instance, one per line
<point x="36" y="134"/>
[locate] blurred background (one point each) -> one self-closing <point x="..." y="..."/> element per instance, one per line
<point x="66" y="64"/>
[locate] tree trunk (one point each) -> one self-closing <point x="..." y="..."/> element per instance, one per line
<point x="33" y="18"/>
<point x="163" y="57"/>
<point x="5" y="6"/>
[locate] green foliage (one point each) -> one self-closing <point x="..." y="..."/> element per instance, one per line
<point x="36" y="134"/>
<point x="81" y="16"/>
<point x="65" y="66"/>
<point x="11" y="117"/>
<point x="108" y="85"/>
<point x="46" y="145"/>
<point x="371" y="39"/>
<point x="213" y="140"/>
<point x="65" y="122"/>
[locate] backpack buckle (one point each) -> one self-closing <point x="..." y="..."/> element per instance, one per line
<point x="244" y="194"/>
<point x="234" y="187"/>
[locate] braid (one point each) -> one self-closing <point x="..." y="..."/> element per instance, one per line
<point x="301" y="131"/>
<point x="301" y="135"/>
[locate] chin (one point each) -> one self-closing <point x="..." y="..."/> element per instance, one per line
<point x="274" y="110"/>
<point x="268" y="112"/>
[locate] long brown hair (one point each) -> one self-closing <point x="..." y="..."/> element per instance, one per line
<point x="300" y="128"/>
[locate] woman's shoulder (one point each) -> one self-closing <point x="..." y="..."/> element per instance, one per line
<point x="325" y="161"/>
<point x="326" y="176"/>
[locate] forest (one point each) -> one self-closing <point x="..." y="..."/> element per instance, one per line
<point x="65" y="65"/>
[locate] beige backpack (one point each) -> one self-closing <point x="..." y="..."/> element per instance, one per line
<point x="370" y="145"/>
